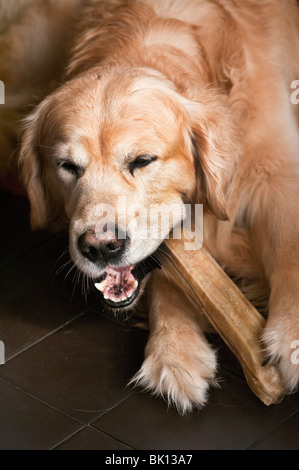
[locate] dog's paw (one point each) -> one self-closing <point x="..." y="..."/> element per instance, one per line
<point x="180" y="373"/>
<point x="281" y="341"/>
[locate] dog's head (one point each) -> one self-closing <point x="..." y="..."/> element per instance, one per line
<point x="108" y="154"/>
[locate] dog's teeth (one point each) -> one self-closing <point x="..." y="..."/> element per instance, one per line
<point x="101" y="285"/>
<point x="120" y="299"/>
<point x="133" y="284"/>
<point x="129" y="295"/>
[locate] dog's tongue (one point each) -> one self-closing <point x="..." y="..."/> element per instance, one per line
<point x="118" y="285"/>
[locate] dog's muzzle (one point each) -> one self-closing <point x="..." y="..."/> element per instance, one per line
<point x="119" y="285"/>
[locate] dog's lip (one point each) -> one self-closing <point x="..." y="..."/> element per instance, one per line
<point x="138" y="271"/>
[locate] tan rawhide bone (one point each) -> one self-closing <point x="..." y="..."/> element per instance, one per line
<point x="231" y="314"/>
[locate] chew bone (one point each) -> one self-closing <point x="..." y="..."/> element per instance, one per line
<point x="231" y="314"/>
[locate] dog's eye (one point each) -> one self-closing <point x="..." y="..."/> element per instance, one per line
<point x="71" y="168"/>
<point x="140" y="162"/>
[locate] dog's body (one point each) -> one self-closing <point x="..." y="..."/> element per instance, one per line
<point x="171" y="102"/>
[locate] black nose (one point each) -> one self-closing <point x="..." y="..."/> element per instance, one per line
<point x="102" y="247"/>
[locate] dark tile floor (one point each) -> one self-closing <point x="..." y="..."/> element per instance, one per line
<point x="63" y="384"/>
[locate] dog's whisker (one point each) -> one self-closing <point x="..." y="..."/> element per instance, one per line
<point x="69" y="271"/>
<point x="64" y="253"/>
<point x="165" y="253"/>
<point x="63" y="267"/>
<point x="85" y="286"/>
<point x="76" y="279"/>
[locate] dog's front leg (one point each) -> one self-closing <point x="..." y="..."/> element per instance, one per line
<point x="274" y="217"/>
<point x="179" y="363"/>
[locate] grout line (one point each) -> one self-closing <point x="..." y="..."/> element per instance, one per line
<point x="46" y="336"/>
<point x="104" y="412"/>
<point x="84" y="425"/>
<point x="67" y="437"/>
<point x="273" y="429"/>
<point x="110" y="436"/>
<point x="90" y="424"/>
<point x="93" y="429"/>
<point x="16" y="387"/>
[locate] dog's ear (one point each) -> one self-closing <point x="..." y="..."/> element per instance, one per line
<point x="215" y="152"/>
<point x="31" y="164"/>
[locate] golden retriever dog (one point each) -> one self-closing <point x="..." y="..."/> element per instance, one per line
<point x="173" y="102"/>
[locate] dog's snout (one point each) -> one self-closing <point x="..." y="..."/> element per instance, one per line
<point x="101" y="247"/>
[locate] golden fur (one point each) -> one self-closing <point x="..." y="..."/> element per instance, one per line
<point x="205" y="86"/>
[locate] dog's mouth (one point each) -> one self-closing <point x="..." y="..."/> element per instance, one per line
<point x="120" y="286"/>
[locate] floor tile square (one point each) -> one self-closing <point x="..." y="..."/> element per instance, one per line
<point x="82" y="369"/>
<point x="29" y="311"/>
<point x="284" y="437"/>
<point x="28" y="424"/>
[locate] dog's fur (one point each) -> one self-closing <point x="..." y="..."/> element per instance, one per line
<point x="204" y="86"/>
